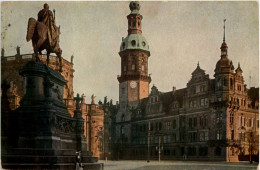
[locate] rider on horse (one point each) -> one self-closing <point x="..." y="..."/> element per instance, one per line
<point x="46" y="16"/>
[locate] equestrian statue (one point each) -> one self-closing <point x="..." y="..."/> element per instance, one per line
<point x="44" y="34"/>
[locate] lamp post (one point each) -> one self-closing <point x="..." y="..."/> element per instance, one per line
<point x="159" y="148"/>
<point x="242" y="129"/>
<point x="148" y="143"/>
<point x="250" y="137"/>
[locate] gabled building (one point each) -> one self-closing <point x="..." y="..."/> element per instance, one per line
<point x="209" y="119"/>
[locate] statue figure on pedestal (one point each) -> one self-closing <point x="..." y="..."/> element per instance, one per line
<point x="93" y="99"/>
<point x="78" y="100"/>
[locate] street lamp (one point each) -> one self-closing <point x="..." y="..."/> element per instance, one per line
<point x="159" y="148"/>
<point x="242" y="131"/>
<point x="148" y="142"/>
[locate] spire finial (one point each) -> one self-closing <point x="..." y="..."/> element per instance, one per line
<point x="224" y="30"/>
<point x="198" y="64"/>
<point x="238" y="64"/>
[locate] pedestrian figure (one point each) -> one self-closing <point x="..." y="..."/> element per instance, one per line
<point x="78" y="161"/>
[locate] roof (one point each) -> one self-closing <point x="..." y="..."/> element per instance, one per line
<point x="166" y="98"/>
<point x="135" y="42"/>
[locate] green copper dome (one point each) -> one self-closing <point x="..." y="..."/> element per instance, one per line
<point x="134" y="42"/>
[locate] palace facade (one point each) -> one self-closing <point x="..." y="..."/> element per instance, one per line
<point x="209" y="119"/>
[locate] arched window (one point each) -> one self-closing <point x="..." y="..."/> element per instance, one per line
<point x="123" y="118"/>
<point x="122" y="130"/>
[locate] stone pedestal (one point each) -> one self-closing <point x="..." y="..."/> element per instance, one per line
<point x="47" y="137"/>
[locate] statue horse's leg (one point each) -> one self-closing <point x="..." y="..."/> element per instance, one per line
<point x="35" y="49"/>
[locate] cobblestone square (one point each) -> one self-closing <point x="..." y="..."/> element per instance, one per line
<point x="177" y="165"/>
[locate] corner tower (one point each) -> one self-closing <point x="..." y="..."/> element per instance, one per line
<point x="224" y="72"/>
<point x="134" y="52"/>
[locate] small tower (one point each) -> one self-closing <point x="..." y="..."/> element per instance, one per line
<point x="224" y="72"/>
<point x="134" y="52"/>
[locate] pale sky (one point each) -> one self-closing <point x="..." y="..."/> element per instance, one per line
<point x="179" y="35"/>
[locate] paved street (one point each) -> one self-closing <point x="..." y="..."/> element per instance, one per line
<point x="177" y="165"/>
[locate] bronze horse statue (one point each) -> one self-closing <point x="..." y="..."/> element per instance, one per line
<point x="38" y="33"/>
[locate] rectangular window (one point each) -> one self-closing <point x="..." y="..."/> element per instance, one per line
<point x="190" y="137"/>
<point x="206" y="136"/>
<point x="232" y="134"/>
<point x="133" y="67"/>
<point x="142" y="67"/>
<point x="173" y="137"/>
<point x="195" y="137"/>
<point x="249" y="122"/>
<point x="206" y="101"/>
<point x="191" y="104"/>
<point x="194" y="103"/>
<point x="174" y="124"/>
<point x="124" y="68"/>
<point x="164" y="139"/>
<point x="218" y="135"/>
<point x="169" y="139"/>
<point x="201" y="121"/>
<point x="182" y="123"/>
<point x="201" y="136"/>
<point x="156" y="139"/>
<point x="169" y="125"/>
<point x="202" y="102"/>
<point x="231" y="118"/>
<point x="257" y="123"/>
<point x="190" y="122"/>
<point x="194" y="122"/>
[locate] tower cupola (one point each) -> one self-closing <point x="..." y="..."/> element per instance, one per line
<point x="224" y="65"/>
<point x="134" y="40"/>
<point x="134" y="19"/>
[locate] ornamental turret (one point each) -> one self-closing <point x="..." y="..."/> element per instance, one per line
<point x="224" y="65"/>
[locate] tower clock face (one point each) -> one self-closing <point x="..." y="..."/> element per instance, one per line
<point x="133" y="84"/>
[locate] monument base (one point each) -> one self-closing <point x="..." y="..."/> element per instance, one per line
<point x="45" y="136"/>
